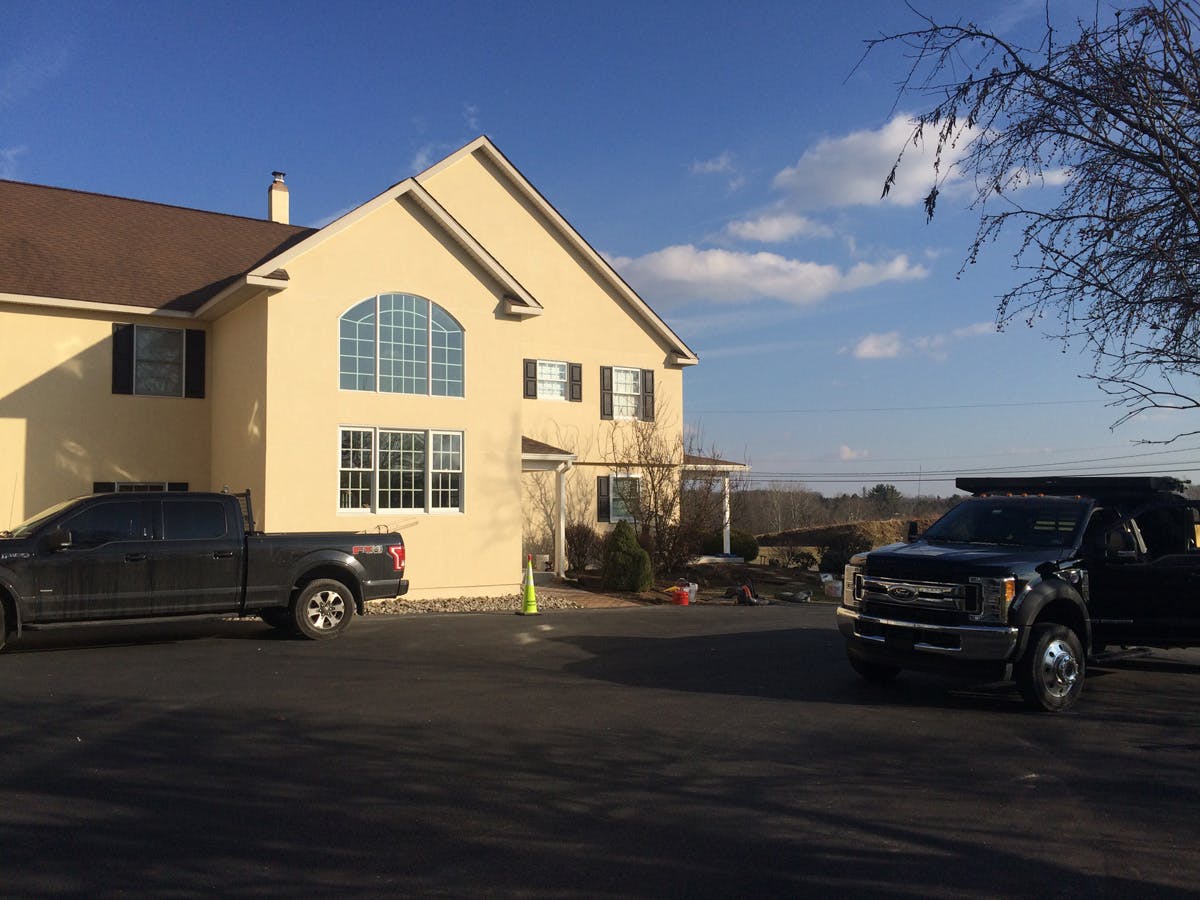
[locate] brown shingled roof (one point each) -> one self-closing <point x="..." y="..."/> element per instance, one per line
<point x="74" y="245"/>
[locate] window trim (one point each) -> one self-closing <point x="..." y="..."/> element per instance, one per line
<point x="374" y="509"/>
<point x="431" y="305"/>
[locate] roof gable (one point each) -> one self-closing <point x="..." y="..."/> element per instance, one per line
<point x="93" y="248"/>
<point x="483" y="146"/>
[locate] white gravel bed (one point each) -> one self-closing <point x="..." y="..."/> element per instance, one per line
<point x="510" y="603"/>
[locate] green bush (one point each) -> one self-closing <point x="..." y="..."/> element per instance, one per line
<point x="840" y="547"/>
<point x="740" y="544"/>
<point x="625" y="566"/>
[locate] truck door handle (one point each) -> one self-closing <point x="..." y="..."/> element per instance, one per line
<point x="135" y="557"/>
<point x="222" y="554"/>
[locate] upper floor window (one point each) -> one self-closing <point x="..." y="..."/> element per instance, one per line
<point x="158" y="362"/>
<point x="401" y="344"/>
<point x="626" y="393"/>
<point x="550" y="379"/>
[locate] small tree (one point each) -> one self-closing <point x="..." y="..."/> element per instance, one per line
<point x="626" y="566"/>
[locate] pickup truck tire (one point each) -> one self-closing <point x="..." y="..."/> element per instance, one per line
<point x="1050" y="674"/>
<point x="877" y="673"/>
<point x="323" y="609"/>
<point x="3" y="626"/>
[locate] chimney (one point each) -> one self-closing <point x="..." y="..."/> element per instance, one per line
<point x="277" y="199"/>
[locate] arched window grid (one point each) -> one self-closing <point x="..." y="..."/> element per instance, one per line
<point x="402" y="344"/>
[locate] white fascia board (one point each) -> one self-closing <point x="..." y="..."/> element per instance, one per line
<point x="238" y="293"/>
<point x="92" y="306"/>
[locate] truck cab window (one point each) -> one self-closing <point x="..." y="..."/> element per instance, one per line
<point x="193" y="520"/>
<point x="106" y="523"/>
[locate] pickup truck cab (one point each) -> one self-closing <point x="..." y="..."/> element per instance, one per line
<point x="146" y="556"/>
<point x="1026" y="579"/>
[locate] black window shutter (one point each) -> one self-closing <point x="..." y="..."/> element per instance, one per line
<point x="122" y="359"/>
<point x="193" y="359"/>
<point x="575" y="382"/>
<point x="603" y="508"/>
<point x="177" y="485"/>
<point x="647" y="395"/>
<point x="606" y="392"/>
<point x="530" y="379"/>
<point x="104" y="487"/>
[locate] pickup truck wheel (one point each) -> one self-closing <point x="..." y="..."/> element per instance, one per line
<point x="874" y="672"/>
<point x="3" y="627"/>
<point x="1050" y="674"/>
<point x="323" y="609"/>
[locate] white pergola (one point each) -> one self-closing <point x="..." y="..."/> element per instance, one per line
<point x="539" y="457"/>
<point x="724" y="468"/>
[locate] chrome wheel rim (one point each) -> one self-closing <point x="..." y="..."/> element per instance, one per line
<point x="1058" y="669"/>
<point x="325" y="610"/>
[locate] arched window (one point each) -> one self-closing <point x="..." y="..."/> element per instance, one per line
<point x="401" y="344"/>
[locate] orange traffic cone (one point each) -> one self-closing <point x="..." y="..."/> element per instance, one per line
<point x="529" y="605"/>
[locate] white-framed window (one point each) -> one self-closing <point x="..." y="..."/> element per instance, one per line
<point x="551" y="380"/>
<point x="616" y="497"/>
<point x="627" y="393"/>
<point x="400" y="470"/>
<point x="400" y="344"/>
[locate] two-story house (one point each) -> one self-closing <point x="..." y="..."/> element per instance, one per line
<point x="413" y="364"/>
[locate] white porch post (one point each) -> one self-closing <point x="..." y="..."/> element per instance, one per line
<point x="725" y="524"/>
<point x="560" y="531"/>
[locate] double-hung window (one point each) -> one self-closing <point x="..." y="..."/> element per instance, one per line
<point x="400" y="470"/>
<point x="626" y="393"/>
<point x="552" y="379"/>
<point x="401" y="344"/>
<point x="617" y="497"/>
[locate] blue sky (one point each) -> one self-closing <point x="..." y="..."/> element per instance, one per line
<point x="727" y="158"/>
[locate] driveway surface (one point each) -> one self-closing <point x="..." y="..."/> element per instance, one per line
<point x="649" y="752"/>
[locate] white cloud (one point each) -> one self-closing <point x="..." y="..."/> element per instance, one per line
<point x="776" y="227"/>
<point x="849" y="170"/>
<point x="848" y="455"/>
<point x="684" y="272"/>
<point x="8" y="161"/>
<point x="471" y="116"/>
<point x="891" y="344"/>
<point x="879" y="346"/>
<point x="718" y="165"/>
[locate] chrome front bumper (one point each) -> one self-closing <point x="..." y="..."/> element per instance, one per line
<point x="995" y="643"/>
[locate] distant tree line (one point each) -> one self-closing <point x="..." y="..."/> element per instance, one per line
<point x="785" y="506"/>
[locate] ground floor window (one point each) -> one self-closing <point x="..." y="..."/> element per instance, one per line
<point x="400" y="470"/>
<point x="617" y="497"/>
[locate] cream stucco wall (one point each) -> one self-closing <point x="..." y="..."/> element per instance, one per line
<point x="393" y="251"/>
<point x="585" y="319"/>
<point x="62" y="428"/>
<point x="238" y="387"/>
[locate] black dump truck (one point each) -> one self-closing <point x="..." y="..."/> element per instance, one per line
<point x="137" y="557"/>
<point x="1028" y="578"/>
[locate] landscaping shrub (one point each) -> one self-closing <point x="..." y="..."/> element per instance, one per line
<point x="740" y="544"/>
<point x="583" y="546"/>
<point x="625" y="565"/>
<point x="837" y="552"/>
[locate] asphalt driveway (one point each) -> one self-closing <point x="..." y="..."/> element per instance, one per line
<point x="648" y="752"/>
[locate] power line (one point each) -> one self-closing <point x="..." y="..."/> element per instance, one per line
<point x="878" y="409"/>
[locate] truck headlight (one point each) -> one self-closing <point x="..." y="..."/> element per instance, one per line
<point x="995" y="597"/>
<point x="852" y="586"/>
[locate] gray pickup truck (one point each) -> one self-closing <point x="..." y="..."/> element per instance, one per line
<point x="149" y="556"/>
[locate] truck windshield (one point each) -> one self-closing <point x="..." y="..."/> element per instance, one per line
<point x="1012" y="521"/>
<point x="31" y="524"/>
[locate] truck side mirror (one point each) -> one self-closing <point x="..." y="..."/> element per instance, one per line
<point x="57" y="539"/>
<point x="912" y="532"/>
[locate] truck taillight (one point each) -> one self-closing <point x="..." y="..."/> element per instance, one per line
<point x="397" y="551"/>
